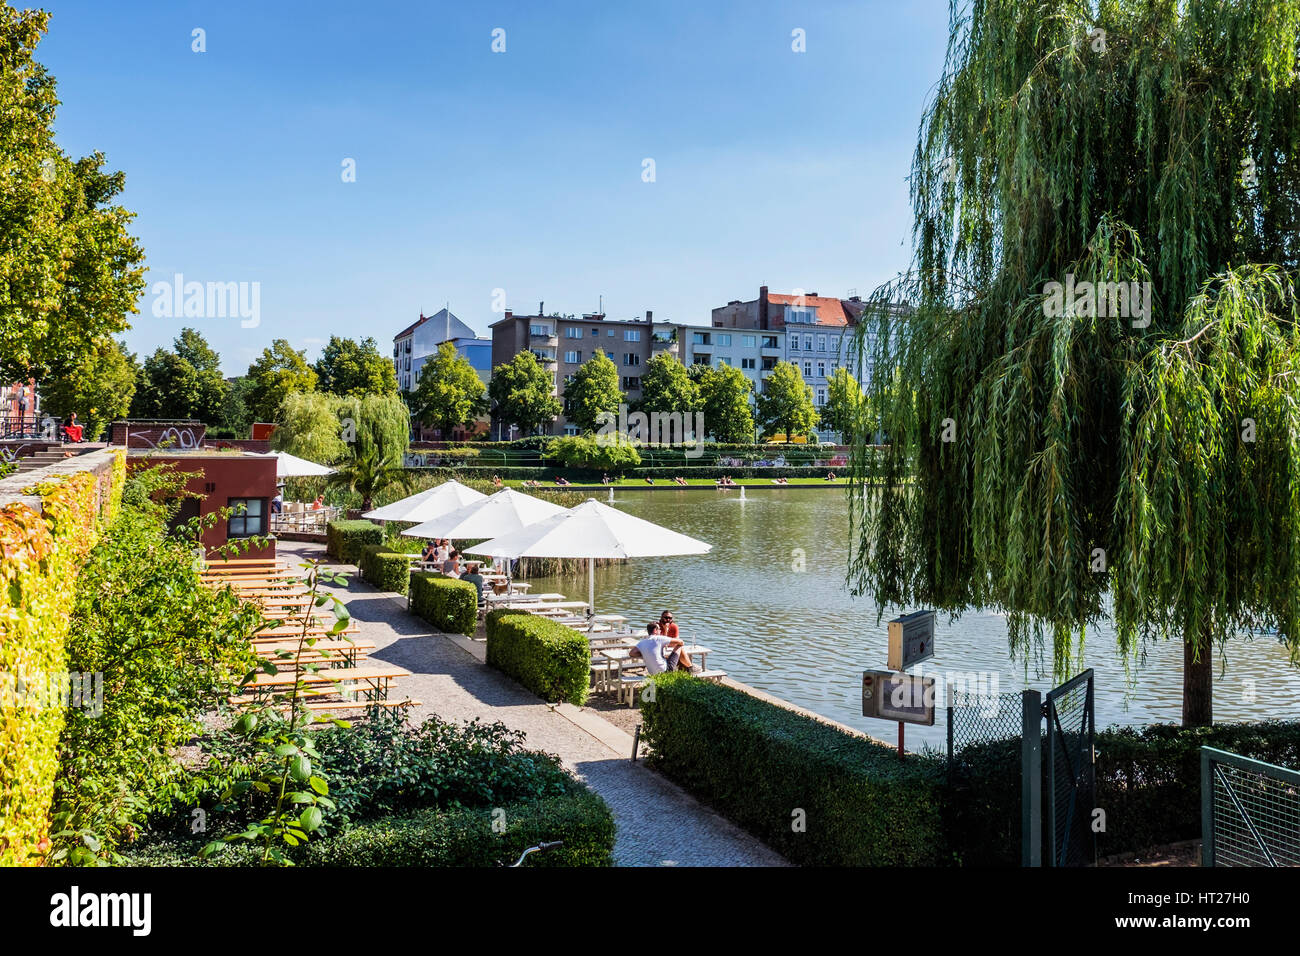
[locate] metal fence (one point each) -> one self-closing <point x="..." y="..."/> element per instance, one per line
<point x="1071" y="774"/>
<point x="1250" y="811"/>
<point x="979" y="718"/>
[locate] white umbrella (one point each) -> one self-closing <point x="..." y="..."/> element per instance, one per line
<point x="427" y="504"/>
<point x="291" y="466"/>
<point x="489" y="517"/>
<point x="592" y="530"/>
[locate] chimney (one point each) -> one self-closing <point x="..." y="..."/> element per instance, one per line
<point x="649" y="317"/>
<point x="762" y="307"/>
<point x="541" y="308"/>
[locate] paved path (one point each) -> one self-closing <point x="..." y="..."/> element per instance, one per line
<point x="658" y="823"/>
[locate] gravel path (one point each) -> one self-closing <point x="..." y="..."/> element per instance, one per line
<point x="658" y="823"/>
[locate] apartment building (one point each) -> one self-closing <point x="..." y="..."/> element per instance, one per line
<point x="416" y="343"/>
<point x="563" y="342"/>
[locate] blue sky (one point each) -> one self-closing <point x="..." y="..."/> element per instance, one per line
<point x="478" y="171"/>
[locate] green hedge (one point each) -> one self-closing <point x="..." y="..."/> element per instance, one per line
<point x="550" y="659"/>
<point x="1148" y="782"/>
<point x="345" y="539"/>
<point x="436" y="838"/>
<point x="760" y="765"/>
<point x="446" y="603"/>
<point x="385" y="569"/>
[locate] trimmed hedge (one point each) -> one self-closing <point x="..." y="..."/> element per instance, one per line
<point x="1148" y="782"/>
<point x="41" y="555"/>
<point x="448" y="604"/>
<point x="386" y="570"/>
<point x="814" y="793"/>
<point x="345" y="539"/>
<point x="436" y="838"/>
<point x="550" y="659"/>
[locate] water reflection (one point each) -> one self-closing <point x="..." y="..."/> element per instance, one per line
<point x="770" y="601"/>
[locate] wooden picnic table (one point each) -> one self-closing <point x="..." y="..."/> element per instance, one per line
<point x="370" y="679"/>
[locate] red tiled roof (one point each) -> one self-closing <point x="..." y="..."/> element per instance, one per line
<point x="830" y="311"/>
<point x="411" y="328"/>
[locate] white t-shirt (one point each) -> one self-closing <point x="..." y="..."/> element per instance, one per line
<point x="652" y="652"/>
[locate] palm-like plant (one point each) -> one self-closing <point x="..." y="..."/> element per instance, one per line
<point x="367" y="473"/>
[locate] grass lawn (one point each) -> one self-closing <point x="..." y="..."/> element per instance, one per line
<point x="690" y="482"/>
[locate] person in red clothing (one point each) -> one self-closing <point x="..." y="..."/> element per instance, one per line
<point x="72" y="431"/>
<point x="667" y="627"/>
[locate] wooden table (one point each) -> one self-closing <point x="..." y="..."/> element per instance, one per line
<point x="371" y="680"/>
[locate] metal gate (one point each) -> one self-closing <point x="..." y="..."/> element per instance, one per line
<point x="1250" y="812"/>
<point x="1064" y="755"/>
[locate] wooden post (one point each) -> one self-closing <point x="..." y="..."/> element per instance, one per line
<point x="900" y="739"/>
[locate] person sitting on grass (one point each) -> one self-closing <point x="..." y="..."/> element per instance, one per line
<point x="830" y="476"/>
<point x="473" y="577"/>
<point x="561" y="481"/>
<point x="496" y="481"/>
<point x="649" y="481"/>
<point x="660" y="653"/>
<point x="680" y="480"/>
<point x="604" y="479"/>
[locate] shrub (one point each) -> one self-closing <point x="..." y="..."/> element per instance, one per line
<point x="344" y="539"/>
<point x="757" y="763"/>
<point x="456" y="837"/>
<point x="40" y="557"/>
<point x="166" y="649"/>
<point x="446" y="603"/>
<point x="551" y="660"/>
<point x="1148" y="782"/>
<point x="594" y="452"/>
<point x="386" y="570"/>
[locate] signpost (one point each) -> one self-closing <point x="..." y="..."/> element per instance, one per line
<point x="911" y="639"/>
<point x="893" y="694"/>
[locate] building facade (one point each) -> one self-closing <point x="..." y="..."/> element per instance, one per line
<point x="413" y="346"/>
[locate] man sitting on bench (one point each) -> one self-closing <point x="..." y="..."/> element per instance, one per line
<point x="661" y="653"/>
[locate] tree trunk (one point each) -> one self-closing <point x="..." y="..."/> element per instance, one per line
<point x="1198" y="682"/>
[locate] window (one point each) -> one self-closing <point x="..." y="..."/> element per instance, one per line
<point x="570" y="429"/>
<point x="802" y="316"/>
<point x="794" y="343"/>
<point x="632" y="335"/>
<point x="821" y="369"/>
<point x="821" y="343"/>
<point x="807" y="369"/>
<point x="611" y="333"/>
<point x="249" y="518"/>
<point x="769" y="342"/>
<point x="700" y="360"/>
<point x="543" y="330"/>
<point x="769" y="364"/>
<point x="631" y="382"/>
<point x="573" y="332"/>
<point x="573" y="358"/>
<point x="724" y="360"/>
<point x="747" y="363"/>
<point x="701" y="338"/>
<point x="821" y="396"/>
<point x="631" y="359"/>
<point x="724" y="339"/>
<point x="748" y="341"/>
<point x="807" y="343"/>
<point x="595" y="331"/>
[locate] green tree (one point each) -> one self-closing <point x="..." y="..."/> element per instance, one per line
<point x="449" y="392"/>
<point x="522" y="394"/>
<point x="601" y="452"/>
<point x="279" y="371"/>
<point x="184" y="383"/>
<point x="69" y="272"/>
<point x="845" y="408"/>
<point x="235" y="415"/>
<point x="594" y="390"/>
<point x="348" y="367"/>
<point x="667" y="386"/>
<point x="310" y="425"/>
<point x="367" y="473"/>
<point x="378" y="424"/>
<point x="725" y="394"/>
<point x="1047" y="449"/>
<point x="786" y="405"/>
<point x="99" y="389"/>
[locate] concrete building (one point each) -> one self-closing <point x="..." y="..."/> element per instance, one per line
<point x="563" y="342"/>
<point x="414" y="344"/>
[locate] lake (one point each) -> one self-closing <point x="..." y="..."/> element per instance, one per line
<point x="791" y="628"/>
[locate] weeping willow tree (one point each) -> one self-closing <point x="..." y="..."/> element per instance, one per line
<point x="1091" y="396"/>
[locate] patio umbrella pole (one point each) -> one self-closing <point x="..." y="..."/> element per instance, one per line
<point x="591" y="592"/>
